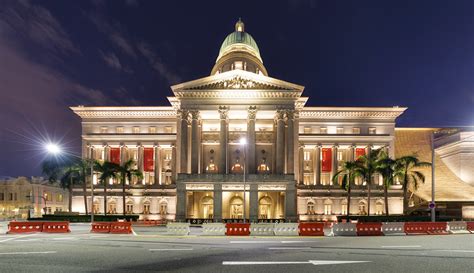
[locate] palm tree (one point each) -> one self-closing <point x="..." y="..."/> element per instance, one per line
<point x="405" y="171"/>
<point x="127" y="171"/>
<point x="107" y="170"/>
<point x="68" y="171"/>
<point x="386" y="168"/>
<point x="367" y="168"/>
<point x="350" y="170"/>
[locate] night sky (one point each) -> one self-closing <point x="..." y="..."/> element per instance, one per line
<point x="56" y="54"/>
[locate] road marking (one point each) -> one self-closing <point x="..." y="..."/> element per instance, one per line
<point x="27" y="240"/>
<point x="313" y="262"/>
<point x="253" y="242"/>
<point x="66" y="238"/>
<point x="288" y="248"/>
<point x="133" y="232"/>
<point x="455" y="250"/>
<point x="28" y="253"/>
<point x="399" y="246"/>
<point x="17" y="237"/>
<point x="295" y="242"/>
<point x="170" y="249"/>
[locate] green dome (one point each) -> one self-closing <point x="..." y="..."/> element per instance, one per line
<point x="239" y="40"/>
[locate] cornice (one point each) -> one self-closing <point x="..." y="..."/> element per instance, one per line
<point x="124" y="112"/>
<point x="376" y="113"/>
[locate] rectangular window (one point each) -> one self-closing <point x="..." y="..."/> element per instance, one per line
<point x="356" y="131"/>
<point x="136" y="130"/>
<point x="307" y="155"/>
<point x="11" y="197"/>
<point x="168" y="129"/>
<point x="307" y="130"/>
<point x="2" y="197"/>
<point x="238" y="65"/>
<point x="104" y="130"/>
<point x="152" y="130"/>
<point x="372" y="131"/>
<point x="340" y="130"/>
<point x="59" y="197"/>
<point x="119" y="130"/>
<point x="323" y="130"/>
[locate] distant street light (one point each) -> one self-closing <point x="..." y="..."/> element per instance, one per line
<point x="243" y="142"/>
<point x="53" y="148"/>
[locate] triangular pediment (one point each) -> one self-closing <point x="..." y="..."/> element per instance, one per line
<point x="237" y="80"/>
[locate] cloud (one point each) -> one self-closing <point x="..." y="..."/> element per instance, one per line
<point x="157" y="63"/>
<point x="35" y="24"/>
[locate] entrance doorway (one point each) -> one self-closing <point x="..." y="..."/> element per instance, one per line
<point x="236" y="207"/>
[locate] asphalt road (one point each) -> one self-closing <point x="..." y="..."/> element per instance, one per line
<point x="147" y="251"/>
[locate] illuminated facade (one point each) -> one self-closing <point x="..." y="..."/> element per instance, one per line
<point x="194" y="161"/>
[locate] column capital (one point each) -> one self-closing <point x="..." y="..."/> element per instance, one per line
<point x="223" y="111"/>
<point x="252" y="112"/>
<point x="290" y="113"/>
<point x="194" y="114"/>
<point x="318" y="146"/>
<point x="300" y="146"/>
<point x="335" y="146"/>
<point x="280" y="114"/>
<point x="183" y="113"/>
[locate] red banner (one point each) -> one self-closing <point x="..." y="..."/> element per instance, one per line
<point x="115" y="155"/>
<point x="148" y="160"/>
<point x="359" y="152"/>
<point x="326" y="162"/>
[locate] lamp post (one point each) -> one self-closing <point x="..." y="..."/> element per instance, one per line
<point x="433" y="204"/>
<point x="243" y="142"/>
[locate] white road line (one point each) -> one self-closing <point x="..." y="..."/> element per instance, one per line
<point x="399" y="246"/>
<point x="28" y="253"/>
<point x="66" y="238"/>
<point x="170" y="249"/>
<point x="313" y="262"/>
<point x="455" y="250"/>
<point x="27" y="240"/>
<point x="296" y="242"/>
<point x="253" y="242"/>
<point x="134" y="233"/>
<point x="16" y="237"/>
<point x="288" y="248"/>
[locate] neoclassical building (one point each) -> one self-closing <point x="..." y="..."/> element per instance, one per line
<point x="238" y="130"/>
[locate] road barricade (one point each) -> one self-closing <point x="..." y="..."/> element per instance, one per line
<point x="311" y="229"/>
<point x="285" y="229"/>
<point x="345" y="229"/>
<point x="393" y="228"/>
<point x="121" y="227"/>
<point x="457" y="227"/>
<point x="425" y="228"/>
<point x="177" y="228"/>
<point x="24" y="227"/>
<point x="213" y="229"/>
<point x="100" y="227"/>
<point x="237" y="229"/>
<point x="262" y="229"/>
<point x="369" y="229"/>
<point x="470" y="227"/>
<point x="56" y="227"/>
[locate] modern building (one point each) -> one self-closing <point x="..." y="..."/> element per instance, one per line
<point x="22" y="196"/>
<point x="238" y="140"/>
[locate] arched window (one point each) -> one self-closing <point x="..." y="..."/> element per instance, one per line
<point x="327" y="207"/>
<point x="310" y="208"/>
<point x="265" y="208"/>
<point x="344" y="207"/>
<point x="112" y="207"/>
<point x="129" y="207"/>
<point x="163" y="208"/>
<point x="207" y="204"/>
<point x="236" y="207"/>
<point x="96" y="206"/>
<point x="146" y="207"/>
<point x="379" y="207"/>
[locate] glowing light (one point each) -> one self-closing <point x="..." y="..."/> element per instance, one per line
<point x="53" y="148"/>
<point x="243" y="141"/>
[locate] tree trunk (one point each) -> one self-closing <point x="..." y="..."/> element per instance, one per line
<point x="385" y="191"/>
<point x="348" y="203"/>
<point x="405" y="200"/>
<point x="123" y="195"/>
<point x="84" y="192"/>
<point x="70" y="197"/>
<point x="368" y="199"/>
<point x="105" y="198"/>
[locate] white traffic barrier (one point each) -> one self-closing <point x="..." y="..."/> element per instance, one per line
<point x="344" y="229"/>
<point x="457" y="227"/>
<point x="262" y="229"/>
<point x="286" y="229"/>
<point x="393" y="228"/>
<point x="213" y="229"/>
<point x="177" y="228"/>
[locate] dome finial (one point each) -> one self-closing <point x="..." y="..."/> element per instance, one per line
<point x="239" y="26"/>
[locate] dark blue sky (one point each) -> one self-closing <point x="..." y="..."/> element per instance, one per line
<point x="54" y="54"/>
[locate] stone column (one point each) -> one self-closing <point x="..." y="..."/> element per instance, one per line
<point x="106" y="152"/>
<point x="180" y="202"/>
<point x="195" y="142"/>
<point x="334" y="163"/>
<point x="317" y="165"/>
<point x="173" y="164"/>
<point x="217" y="203"/>
<point x="253" y="202"/>
<point x="90" y="151"/>
<point x="290" y="142"/>
<point x="158" y="179"/>
<point x="352" y="152"/>
<point x="140" y="160"/>
<point x="222" y="167"/>
<point x="183" y="141"/>
<point x="252" y="165"/>
<point x="301" y="164"/>
<point x="123" y="157"/>
<point x="290" y="203"/>
<point x="280" y="143"/>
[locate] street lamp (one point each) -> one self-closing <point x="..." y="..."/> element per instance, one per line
<point x="243" y="142"/>
<point x="55" y="149"/>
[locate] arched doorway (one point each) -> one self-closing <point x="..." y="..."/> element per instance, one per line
<point x="265" y="208"/>
<point x="207" y="207"/>
<point x="112" y="207"/>
<point x="129" y="207"/>
<point x="362" y="207"/>
<point x="327" y="207"/>
<point x="379" y="207"/>
<point x="236" y="207"/>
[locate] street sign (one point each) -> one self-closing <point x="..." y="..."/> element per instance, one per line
<point x="432" y="205"/>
